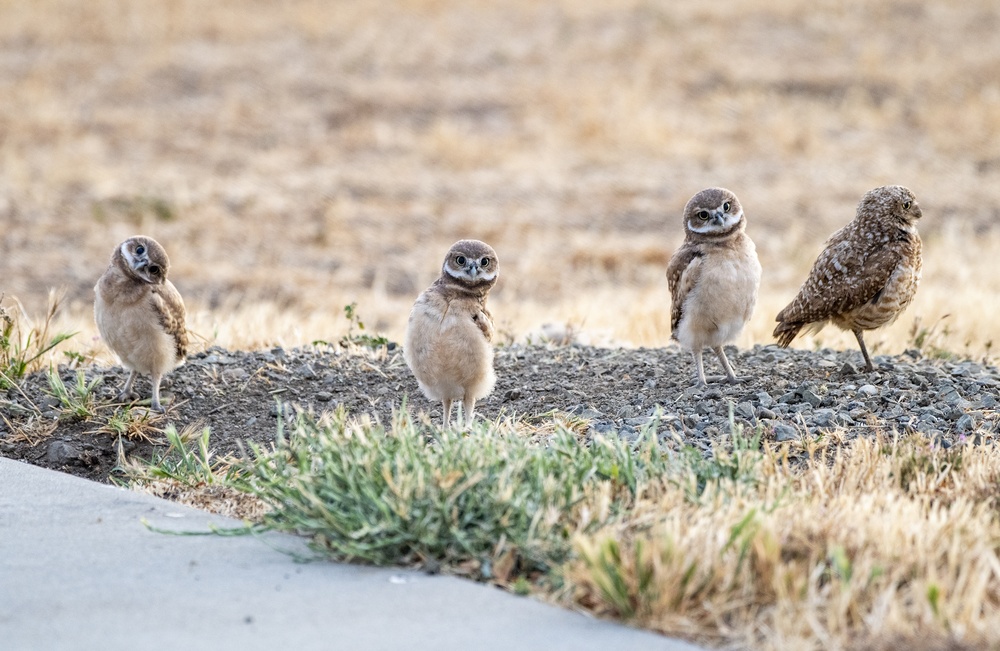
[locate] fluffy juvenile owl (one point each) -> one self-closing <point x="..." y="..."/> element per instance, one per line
<point x="140" y="314"/>
<point x="867" y="274"/>
<point x="713" y="277"/>
<point x="448" y="338"/>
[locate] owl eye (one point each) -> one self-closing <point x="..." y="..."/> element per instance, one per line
<point x="460" y="259"/>
<point x="906" y="205"/>
<point x="139" y="250"/>
<point x="726" y="207"/>
<point x="154" y="269"/>
<point x="703" y="215"/>
<point x="485" y="262"/>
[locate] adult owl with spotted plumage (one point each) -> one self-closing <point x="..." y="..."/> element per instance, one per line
<point x="867" y="274"/>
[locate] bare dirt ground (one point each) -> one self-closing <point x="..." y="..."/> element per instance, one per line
<point x="794" y="396"/>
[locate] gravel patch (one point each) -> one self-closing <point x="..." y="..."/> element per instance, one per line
<point x="788" y="394"/>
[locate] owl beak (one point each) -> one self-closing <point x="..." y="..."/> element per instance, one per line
<point x="718" y="217"/>
<point x="473" y="269"/>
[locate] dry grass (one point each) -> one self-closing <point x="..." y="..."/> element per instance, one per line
<point x="884" y="543"/>
<point x="295" y="158"/>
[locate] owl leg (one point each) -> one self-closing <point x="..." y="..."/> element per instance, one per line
<point x="446" y="406"/>
<point x="859" y="334"/>
<point x="730" y="375"/>
<point x="699" y="378"/>
<point x="470" y="404"/>
<point x="127" y="395"/>
<point x="155" y="402"/>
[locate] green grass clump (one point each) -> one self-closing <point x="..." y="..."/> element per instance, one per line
<point x="23" y="347"/>
<point x="77" y="401"/>
<point x="415" y="495"/>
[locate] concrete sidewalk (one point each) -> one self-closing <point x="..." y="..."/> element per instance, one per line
<point x="78" y="570"/>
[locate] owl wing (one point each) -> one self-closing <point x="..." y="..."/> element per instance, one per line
<point x="169" y="308"/>
<point x="682" y="275"/>
<point x="841" y="280"/>
<point x="484" y="320"/>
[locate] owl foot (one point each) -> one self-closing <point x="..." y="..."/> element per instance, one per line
<point x="720" y="379"/>
<point x="127" y="396"/>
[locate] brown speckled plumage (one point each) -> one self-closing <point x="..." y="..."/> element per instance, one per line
<point x="866" y="275"/>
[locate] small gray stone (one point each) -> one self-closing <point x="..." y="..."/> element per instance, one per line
<point x="784" y="433"/>
<point x="61" y="453"/>
<point x="235" y="374"/>
<point x="966" y="423"/>
<point x="602" y="427"/>
<point x="324" y="396"/>
<point x="824" y="418"/>
<point x="949" y="395"/>
<point x="745" y="409"/>
<point x="629" y="433"/>
<point x="306" y="372"/>
<point x="848" y="369"/>
<point x="628" y="411"/>
<point x="868" y="390"/>
<point x="764" y="399"/>
<point x="809" y="396"/>
<point x="766" y="414"/>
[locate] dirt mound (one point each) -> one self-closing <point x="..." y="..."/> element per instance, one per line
<point x="788" y="393"/>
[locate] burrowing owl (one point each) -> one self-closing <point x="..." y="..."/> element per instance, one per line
<point x="866" y="275"/>
<point x="140" y="314"/>
<point x="713" y="277"/>
<point x="449" y="334"/>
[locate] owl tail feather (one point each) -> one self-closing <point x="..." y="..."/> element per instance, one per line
<point x="786" y="332"/>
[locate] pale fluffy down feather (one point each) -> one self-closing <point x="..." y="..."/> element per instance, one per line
<point x="713" y="278"/>
<point x="140" y="314"/>
<point x="448" y="338"/>
<point x="447" y="351"/>
<point x="135" y="333"/>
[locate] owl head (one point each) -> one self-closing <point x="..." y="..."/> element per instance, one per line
<point x="713" y="212"/>
<point x="894" y="203"/>
<point x="143" y="258"/>
<point x="471" y="263"/>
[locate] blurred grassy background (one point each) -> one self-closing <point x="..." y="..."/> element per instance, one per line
<point x="298" y="156"/>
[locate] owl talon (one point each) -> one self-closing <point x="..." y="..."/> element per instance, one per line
<point x="720" y="379"/>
